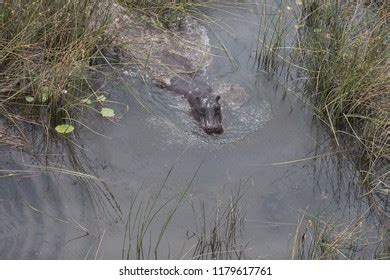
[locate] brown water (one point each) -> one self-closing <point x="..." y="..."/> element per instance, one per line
<point x="271" y="152"/>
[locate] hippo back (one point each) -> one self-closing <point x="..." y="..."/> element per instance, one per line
<point x="185" y="86"/>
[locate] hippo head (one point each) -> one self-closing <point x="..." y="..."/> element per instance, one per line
<point x="207" y="111"/>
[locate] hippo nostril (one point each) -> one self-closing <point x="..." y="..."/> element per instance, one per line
<point x="209" y="130"/>
<point x="216" y="130"/>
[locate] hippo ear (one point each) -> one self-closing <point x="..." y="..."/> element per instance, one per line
<point x="217" y="98"/>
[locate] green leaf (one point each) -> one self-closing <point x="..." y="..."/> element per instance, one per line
<point x="86" y="101"/>
<point x="44" y="94"/>
<point x="101" y="98"/>
<point x="29" y="99"/>
<point x="64" y="128"/>
<point x="107" y="112"/>
<point x="317" y="30"/>
<point x="384" y="191"/>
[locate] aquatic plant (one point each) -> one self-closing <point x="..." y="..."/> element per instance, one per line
<point x="341" y="52"/>
<point x="45" y="47"/>
<point x="317" y="238"/>
<point x="345" y="50"/>
<point x="218" y="230"/>
<point x="275" y="26"/>
<point x="215" y="233"/>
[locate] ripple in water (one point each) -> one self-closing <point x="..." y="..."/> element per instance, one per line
<point x="242" y="115"/>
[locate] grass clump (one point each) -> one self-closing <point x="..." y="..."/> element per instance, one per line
<point x="216" y="232"/>
<point x="219" y="230"/>
<point x="165" y="13"/>
<point x="45" y="47"/>
<point x="274" y="28"/>
<point x="344" y="48"/>
<point x="319" y="239"/>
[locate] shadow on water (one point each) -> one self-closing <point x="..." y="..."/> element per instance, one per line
<point x="158" y="187"/>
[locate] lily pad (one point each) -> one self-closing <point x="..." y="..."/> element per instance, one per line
<point x="107" y="112"/>
<point x="86" y="101"/>
<point x="101" y="98"/>
<point x="29" y="99"/>
<point x="44" y="94"/>
<point x="64" y="128"/>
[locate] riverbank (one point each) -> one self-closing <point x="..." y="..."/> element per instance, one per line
<point x="344" y="48"/>
<point x="45" y="49"/>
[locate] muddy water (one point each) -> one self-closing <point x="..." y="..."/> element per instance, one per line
<point x="155" y="157"/>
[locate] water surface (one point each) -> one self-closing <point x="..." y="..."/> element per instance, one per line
<point x="272" y="152"/>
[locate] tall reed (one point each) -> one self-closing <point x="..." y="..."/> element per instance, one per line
<point x="44" y="49"/>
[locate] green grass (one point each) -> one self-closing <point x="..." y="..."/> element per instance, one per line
<point x="320" y="239"/>
<point x="216" y="231"/>
<point x="45" y="48"/>
<point x="274" y="27"/>
<point x="341" y="51"/>
<point x="345" y="50"/>
<point x="165" y="13"/>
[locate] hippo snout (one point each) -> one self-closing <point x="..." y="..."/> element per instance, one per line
<point x="207" y="111"/>
<point x="214" y="130"/>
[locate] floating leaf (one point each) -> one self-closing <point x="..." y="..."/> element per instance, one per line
<point x="29" y="99"/>
<point x="107" y="112"/>
<point x="101" y="98"/>
<point x="44" y="94"/>
<point x="317" y="30"/>
<point x="297" y="26"/>
<point x="86" y="101"/>
<point x="384" y="191"/>
<point x="44" y="97"/>
<point x="64" y="128"/>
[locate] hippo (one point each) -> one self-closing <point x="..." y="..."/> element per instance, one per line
<point x="205" y="107"/>
<point x="169" y="58"/>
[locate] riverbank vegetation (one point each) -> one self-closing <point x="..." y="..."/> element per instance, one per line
<point x="324" y="239"/>
<point x="165" y="13"/>
<point x="339" y="60"/>
<point x="344" y="48"/>
<point x="45" y="48"/>
<point x="341" y="53"/>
